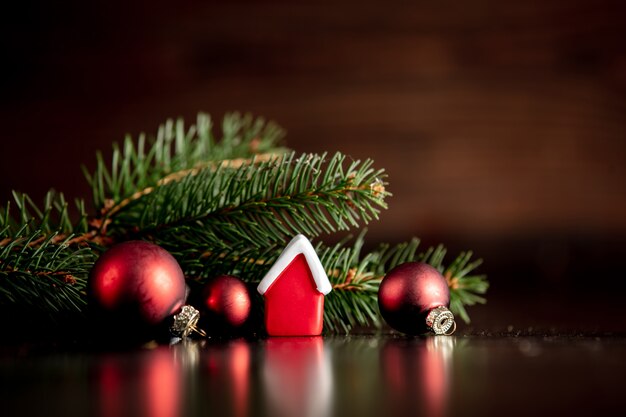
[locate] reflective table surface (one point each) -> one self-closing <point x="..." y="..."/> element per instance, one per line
<point x="375" y="375"/>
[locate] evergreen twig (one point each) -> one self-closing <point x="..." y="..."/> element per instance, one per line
<point x="39" y="268"/>
<point x="219" y="206"/>
<point x="257" y="204"/>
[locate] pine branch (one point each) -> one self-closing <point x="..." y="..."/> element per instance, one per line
<point x="176" y="148"/>
<point x="219" y="206"/>
<point x="45" y="258"/>
<point x="465" y="289"/>
<point x="29" y="218"/>
<point x="257" y="204"/>
<point x="54" y="286"/>
<point x="39" y="268"/>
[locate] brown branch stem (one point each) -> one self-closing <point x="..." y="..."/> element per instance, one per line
<point x="68" y="278"/>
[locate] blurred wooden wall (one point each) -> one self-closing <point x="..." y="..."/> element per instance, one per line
<point x="493" y="119"/>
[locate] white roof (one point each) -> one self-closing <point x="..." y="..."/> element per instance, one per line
<point x="298" y="245"/>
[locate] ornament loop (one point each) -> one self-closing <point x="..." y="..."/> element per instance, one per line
<point x="185" y="322"/>
<point x="451" y="330"/>
<point x="441" y="321"/>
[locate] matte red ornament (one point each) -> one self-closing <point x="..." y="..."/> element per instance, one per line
<point x="413" y="298"/>
<point x="226" y="304"/>
<point x="294" y="290"/>
<point x="136" y="283"/>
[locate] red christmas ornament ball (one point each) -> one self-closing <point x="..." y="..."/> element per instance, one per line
<point x="408" y="293"/>
<point x="226" y="303"/>
<point x="136" y="283"/>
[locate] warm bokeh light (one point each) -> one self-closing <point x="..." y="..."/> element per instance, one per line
<point x="110" y="388"/>
<point x="239" y="368"/>
<point x="230" y="363"/>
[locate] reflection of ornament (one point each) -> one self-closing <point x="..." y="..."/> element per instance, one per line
<point x="225" y="304"/>
<point x="418" y="374"/>
<point x="294" y="290"/>
<point x="187" y="353"/>
<point x="154" y="385"/>
<point x="163" y="383"/>
<point x="136" y="283"/>
<point x="230" y="378"/>
<point x="413" y="298"/>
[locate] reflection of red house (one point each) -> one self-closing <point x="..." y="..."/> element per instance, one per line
<point x="294" y="290"/>
<point x="297" y="377"/>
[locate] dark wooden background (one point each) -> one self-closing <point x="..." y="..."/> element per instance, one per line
<point x="501" y="124"/>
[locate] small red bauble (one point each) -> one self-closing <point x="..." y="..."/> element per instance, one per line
<point x="226" y="304"/>
<point x="413" y="299"/>
<point x="136" y="283"/>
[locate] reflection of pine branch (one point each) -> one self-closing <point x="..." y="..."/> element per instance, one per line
<point x="219" y="206"/>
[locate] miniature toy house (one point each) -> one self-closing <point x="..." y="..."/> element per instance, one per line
<point x="294" y="290"/>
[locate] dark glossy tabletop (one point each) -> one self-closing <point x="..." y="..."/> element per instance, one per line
<point x="372" y="375"/>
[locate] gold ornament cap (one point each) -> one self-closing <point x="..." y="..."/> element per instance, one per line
<point x="185" y="321"/>
<point x="440" y="321"/>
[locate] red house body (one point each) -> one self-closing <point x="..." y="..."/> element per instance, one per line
<point x="294" y="290"/>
